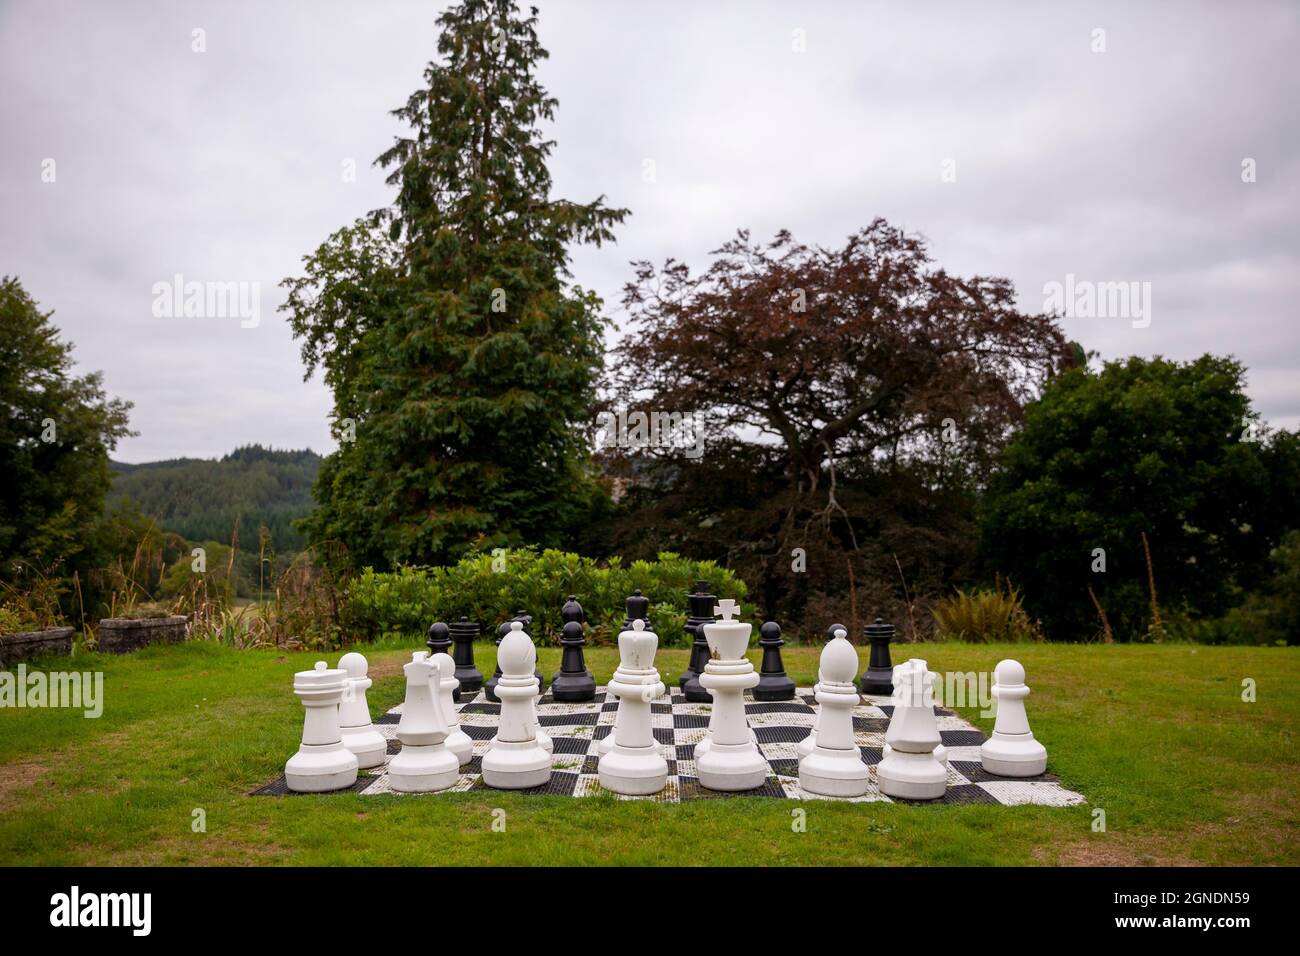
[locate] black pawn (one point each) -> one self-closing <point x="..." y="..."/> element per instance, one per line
<point x="439" y="641"/>
<point x="879" y="675"/>
<point x="463" y="634"/>
<point x="700" y="606"/>
<point x="573" y="682"/>
<point x="773" y="682"/>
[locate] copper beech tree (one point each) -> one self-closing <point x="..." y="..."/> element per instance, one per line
<point x="837" y="364"/>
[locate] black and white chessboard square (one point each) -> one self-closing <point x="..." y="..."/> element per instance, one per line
<point x="679" y="726"/>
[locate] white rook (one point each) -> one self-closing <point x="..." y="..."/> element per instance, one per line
<point x="1012" y="751"/>
<point x="634" y="766"/>
<point x="322" y="762"/>
<point x="732" y="760"/>
<point x="834" y="767"/>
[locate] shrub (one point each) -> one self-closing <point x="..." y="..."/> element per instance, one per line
<point x="984" y="616"/>
<point x="491" y="588"/>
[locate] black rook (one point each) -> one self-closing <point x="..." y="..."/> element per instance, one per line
<point x="463" y="634"/>
<point x="700" y="605"/>
<point x="879" y="676"/>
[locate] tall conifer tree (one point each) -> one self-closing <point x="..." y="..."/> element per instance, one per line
<point x="462" y="358"/>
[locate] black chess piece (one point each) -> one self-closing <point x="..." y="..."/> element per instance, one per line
<point x="573" y="682"/>
<point x="879" y="675"/>
<point x="830" y="631"/>
<point x="693" y="691"/>
<point x="773" y="682"/>
<point x="439" y="641"/>
<point x="463" y="634"/>
<point x="700" y="607"/>
<point x="638" y="609"/>
<point x="490" y="688"/>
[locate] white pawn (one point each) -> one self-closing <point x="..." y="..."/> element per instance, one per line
<point x="516" y="759"/>
<point x="424" y="763"/>
<point x="834" y="768"/>
<point x="940" y="751"/>
<point x="635" y="766"/>
<point x="359" y="734"/>
<point x="732" y="761"/>
<point x="458" y="742"/>
<point x="322" y="762"/>
<point x="805" y="746"/>
<point x="1012" y="751"/>
<point x="910" y="769"/>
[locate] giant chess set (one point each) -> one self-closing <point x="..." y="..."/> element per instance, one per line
<point x="726" y="729"/>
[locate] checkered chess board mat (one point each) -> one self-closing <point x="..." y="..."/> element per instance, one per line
<point x="679" y="726"/>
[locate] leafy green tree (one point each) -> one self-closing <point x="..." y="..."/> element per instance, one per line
<point x="462" y="359"/>
<point x="55" y="436"/>
<point x="1150" y="446"/>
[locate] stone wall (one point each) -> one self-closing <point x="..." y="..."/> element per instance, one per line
<point x="118" y="635"/>
<point x="24" y="644"/>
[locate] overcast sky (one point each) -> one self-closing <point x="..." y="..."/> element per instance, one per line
<point x="1036" y="141"/>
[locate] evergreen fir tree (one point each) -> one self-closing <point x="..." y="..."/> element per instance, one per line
<point x="461" y="356"/>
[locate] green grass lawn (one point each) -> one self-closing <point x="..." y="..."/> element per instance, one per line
<point x="1156" y="736"/>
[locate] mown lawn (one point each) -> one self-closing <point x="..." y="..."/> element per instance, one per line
<point x="1156" y="736"/>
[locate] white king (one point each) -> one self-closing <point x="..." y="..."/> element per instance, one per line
<point x="732" y="760"/>
<point x="634" y="765"/>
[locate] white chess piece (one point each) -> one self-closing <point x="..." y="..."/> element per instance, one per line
<point x="732" y="760"/>
<point x="322" y="763"/>
<point x="910" y="770"/>
<point x="805" y="746"/>
<point x="635" y="766"/>
<point x="458" y="742"/>
<point x="835" y="768"/>
<point x="516" y="759"/>
<point x="424" y="764"/>
<point x="359" y="734"/>
<point x="1012" y="751"/>
<point x="940" y="751"/>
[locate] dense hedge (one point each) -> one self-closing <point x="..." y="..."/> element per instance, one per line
<point x="491" y="589"/>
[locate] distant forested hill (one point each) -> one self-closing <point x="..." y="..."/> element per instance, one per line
<point x="200" y="498"/>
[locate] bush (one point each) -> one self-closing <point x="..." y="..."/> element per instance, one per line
<point x="491" y="589"/>
<point x="984" y="616"/>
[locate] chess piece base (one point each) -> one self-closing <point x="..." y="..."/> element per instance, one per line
<point x="319" y="768"/>
<point x="834" y="773"/>
<point x="703" y="746"/>
<point x="1013" y="755"/>
<point x="471" y="681"/>
<point x="780" y="688"/>
<point x="516" y="766"/>
<point x="694" y="691"/>
<point x="805" y="746"/>
<point x="879" y="683"/>
<point x="573" y="688"/>
<point x="732" y="767"/>
<point x="940" y="754"/>
<point x="460" y="744"/>
<point x="911" y="776"/>
<point x="368" y="745"/>
<point x="423" y="769"/>
<point x="633" y="771"/>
